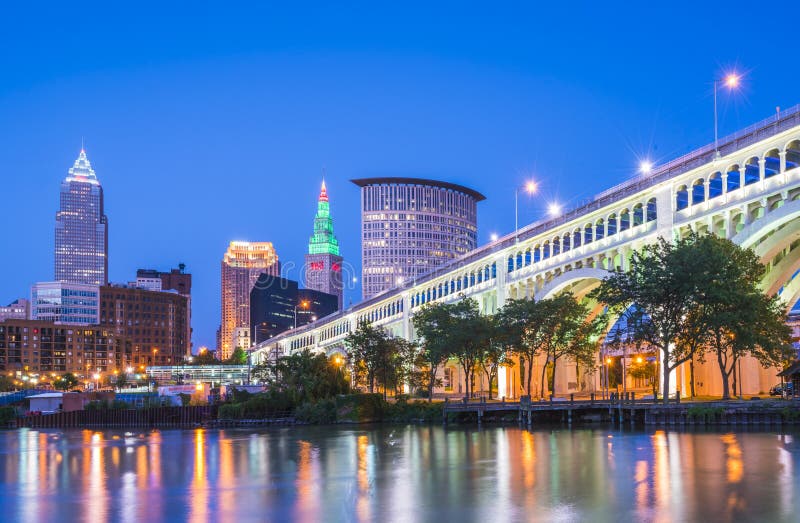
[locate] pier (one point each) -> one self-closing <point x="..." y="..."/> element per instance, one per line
<point x="627" y="409"/>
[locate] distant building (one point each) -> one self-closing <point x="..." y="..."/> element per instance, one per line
<point x="65" y="303"/>
<point x="155" y="322"/>
<point x="177" y="280"/>
<point x="410" y="226"/>
<point x="17" y="310"/>
<point x="323" y="264"/>
<point x="81" y="244"/>
<point x="277" y="305"/>
<point x="45" y="347"/>
<point x="241" y="338"/>
<point x="241" y="266"/>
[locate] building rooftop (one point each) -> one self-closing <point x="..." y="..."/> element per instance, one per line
<point x="398" y="180"/>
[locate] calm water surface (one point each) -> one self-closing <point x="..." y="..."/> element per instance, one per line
<point x="394" y="473"/>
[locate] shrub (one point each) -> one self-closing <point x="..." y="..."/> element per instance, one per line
<point x="403" y="411"/>
<point x="359" y="408"/>
<point x="7" y="415"/>
<point x="320" y="412"/>
<point x="185" y="399"/>
<point x="704" y="414"/>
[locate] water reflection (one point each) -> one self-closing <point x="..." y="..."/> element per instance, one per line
<point x="397" y="474"/>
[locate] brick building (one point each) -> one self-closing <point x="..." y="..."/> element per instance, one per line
<point x="45" y="347"/>
<point x="155" y="322"/>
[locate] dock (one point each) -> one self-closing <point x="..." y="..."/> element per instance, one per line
<point x="621" y="409"/>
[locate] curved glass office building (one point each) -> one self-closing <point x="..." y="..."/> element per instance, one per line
<point x="410" y="226"/>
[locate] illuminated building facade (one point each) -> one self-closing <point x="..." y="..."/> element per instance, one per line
<point x="410" y="226"/>
<point x="242" y="264"/>
<point x="45" y="347"/>
<point x="323" y="267"/>
<point x="81" y="246"/>
<point x="65" y="303"/>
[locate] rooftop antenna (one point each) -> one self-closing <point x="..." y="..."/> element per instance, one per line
<point x="83" y="144"/>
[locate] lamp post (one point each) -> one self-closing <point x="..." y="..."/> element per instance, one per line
<point x="303" y="305"/>
<point x="731" y="81"/>
<point x="529" y="187"/>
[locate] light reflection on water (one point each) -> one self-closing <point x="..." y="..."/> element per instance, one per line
<point x="394" y="473"/>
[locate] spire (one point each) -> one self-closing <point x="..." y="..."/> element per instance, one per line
<point x="323" y="240"/>
<point x="82" y="170"/>
<point x="323" y="193"/>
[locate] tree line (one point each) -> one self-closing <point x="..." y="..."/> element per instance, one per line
<point x="690" y="299"/>
<point x="555" y="327"/>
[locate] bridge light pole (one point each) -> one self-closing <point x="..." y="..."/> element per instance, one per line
<point x="530" y="188"/>
<point x="731" y="81"/>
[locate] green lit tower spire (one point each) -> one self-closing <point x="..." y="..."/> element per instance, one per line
<point x="323" y="269"/>
<point x="323" y="241"/>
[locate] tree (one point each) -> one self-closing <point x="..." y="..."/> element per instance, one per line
<point x="738" y="318"/>
<point x="206" y="357"/>
<point x="495" y="353"/>
<point x="369" y="348"/>
<point x="524" y="328"/>
<point x="6" y="383"/>
<point x="575" y="336"/>
<point x="663" y="284"/>
<point x="433" y="325"/>
<point x="469" y="338"/>
<point x="308" y="377"/>
<point x="66" y="382"/>
<point x="237" y="357"/>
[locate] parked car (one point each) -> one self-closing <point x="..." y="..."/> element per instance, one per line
<point x="782" y="389"/>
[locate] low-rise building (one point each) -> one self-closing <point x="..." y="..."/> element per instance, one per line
<point x="16" y="310"/>
<point x="155" y="322"/>
<point x="36" y="346"/>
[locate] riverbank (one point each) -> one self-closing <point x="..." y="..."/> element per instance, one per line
<point x="257" y="410"/>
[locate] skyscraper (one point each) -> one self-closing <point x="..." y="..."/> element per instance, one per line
<point x="410" y="226"/>
<point x="241" y="266"/>
<point x="81" y="247"/>
<point x="323" y="268"/>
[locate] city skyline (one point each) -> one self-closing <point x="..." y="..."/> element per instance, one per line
<point x="177" y="143"/>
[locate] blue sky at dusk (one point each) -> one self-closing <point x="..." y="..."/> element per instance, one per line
<point x="208" y="122"/>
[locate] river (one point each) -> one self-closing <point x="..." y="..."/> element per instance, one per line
<point x="398" y="473"/>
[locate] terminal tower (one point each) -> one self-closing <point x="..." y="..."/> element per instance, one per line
<point x="323" y="267"/>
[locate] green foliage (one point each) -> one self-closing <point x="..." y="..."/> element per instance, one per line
<point x="7" y="415"/>
<point x="238" y="357"/>
<point x="359" y="408"/>
<point x="790" y="413"/>
<point x="698" y="294"/>
<point x="206" y="357"/>
<point x="106" y="405"/>
<point x="433" y="324"/>
<point x="67" y="381"/>
<point x="185" y="399"/>
<point x="320" y="412"/>
<point x="379" y="358"/>
<point x="6" y="383"/>
<point x="704" y="413"/>
<point x="403" y="411"/>
<point x="264" y="405"/>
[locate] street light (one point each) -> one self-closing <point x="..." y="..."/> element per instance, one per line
<point x="303" y="305"/>
<point x="731" y="81"/>
<point x="554" y="209"/>
<point x="530" y="188"/>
